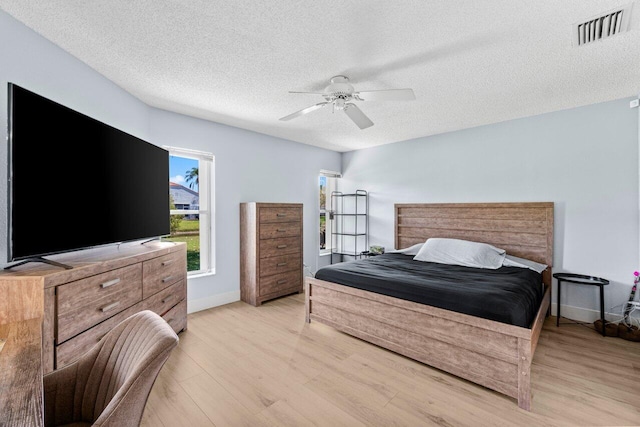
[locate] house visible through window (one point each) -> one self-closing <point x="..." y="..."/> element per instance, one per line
<point x="328" y="183"/>
<point x="191" y="206"/>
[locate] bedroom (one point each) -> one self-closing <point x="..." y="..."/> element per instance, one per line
<point x="582" y="154"/>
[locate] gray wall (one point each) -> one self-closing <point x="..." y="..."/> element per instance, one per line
<point x="584" y="159"/>
<point x="249" y="166"/>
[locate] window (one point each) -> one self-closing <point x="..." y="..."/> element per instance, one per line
<point x="328" y="183"/>
<point x="191" y="197"/>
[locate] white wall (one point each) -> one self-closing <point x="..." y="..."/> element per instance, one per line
<point x="584" y="159"/>
<point x="249" y="166"/>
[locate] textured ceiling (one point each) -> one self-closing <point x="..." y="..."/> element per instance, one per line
<point x="469" y="62"/>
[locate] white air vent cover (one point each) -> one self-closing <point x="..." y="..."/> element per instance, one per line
<point x="600" y="27"/>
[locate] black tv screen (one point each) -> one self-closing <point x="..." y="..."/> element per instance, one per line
<point x="75" y="182"/>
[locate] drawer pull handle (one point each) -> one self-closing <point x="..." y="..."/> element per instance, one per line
<point x="169" y="298"/>
<point x="281" y="230"/>
<point x="170" y="321"/>
<point x="109" y="283"/>
<point x="166" y="279"/>
<point x="281" y="215"/>
<point x="110" y="307"/>
<point x="282" y="264"/>
<point x="282" y="282"/>
<point x="282" y="246"/>
<point x="165" y="263"/>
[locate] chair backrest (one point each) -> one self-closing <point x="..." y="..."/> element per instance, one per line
<point x="119" y="372"/>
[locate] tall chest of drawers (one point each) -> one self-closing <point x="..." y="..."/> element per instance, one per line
<point x="270" y="251"/>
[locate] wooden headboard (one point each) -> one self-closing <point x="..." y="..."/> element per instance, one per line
<point x="523" y="229"/>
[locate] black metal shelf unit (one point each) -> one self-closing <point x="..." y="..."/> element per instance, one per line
<point x="349" y="225"/>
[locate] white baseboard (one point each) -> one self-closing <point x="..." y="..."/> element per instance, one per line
<point x="212" y="301"/>
<point x="583" y="314"/>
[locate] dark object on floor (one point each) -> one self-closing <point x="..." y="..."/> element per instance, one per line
<point x="629" y="333"/>
<point x="109" y="385"/>
<point x="611" y="329"/>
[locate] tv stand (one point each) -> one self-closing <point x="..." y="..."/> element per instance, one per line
<point x="106" y="286"/>
<point x="40" y="259"/>
<point x="155" y="239"/>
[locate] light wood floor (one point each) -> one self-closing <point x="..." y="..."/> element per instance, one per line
<point x="239" y="365"/>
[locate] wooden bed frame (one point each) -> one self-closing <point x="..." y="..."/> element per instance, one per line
<point x="493" y="354"/>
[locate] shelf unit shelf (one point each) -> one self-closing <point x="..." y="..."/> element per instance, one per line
<point x="349" y="225"/>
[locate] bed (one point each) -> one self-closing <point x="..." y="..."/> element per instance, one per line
<point x="494" y="353"/>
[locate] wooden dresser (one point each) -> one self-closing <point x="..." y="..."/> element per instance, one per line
<point x="21" y="388"/>
<point x="104" y="287"/>
<point x="270" y="251"/>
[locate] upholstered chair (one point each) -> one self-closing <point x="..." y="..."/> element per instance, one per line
<point x="110" y="384"/>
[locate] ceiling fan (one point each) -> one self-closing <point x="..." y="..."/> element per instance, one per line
<point x="340" y="94"/>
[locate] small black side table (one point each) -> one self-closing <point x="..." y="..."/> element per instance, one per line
<point x="581" y="279"/>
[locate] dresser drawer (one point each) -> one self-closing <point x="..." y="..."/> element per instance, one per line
<point x="164" y="300"/>
<point x="280" y="264"/>
<point x="163" y="272"/>
<point x="280" y="229"/>
<point x="273" y="214"/>
<point x="86" y="302"/>
<point x="177" y="317"/>
<point x="281" y="246"/>
<point x="71" y="349"/>
<point x="281" y="282"/>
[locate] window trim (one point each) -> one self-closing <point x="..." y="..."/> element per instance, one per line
<point x="206" y="196"/>
<point x="327" y="239"/>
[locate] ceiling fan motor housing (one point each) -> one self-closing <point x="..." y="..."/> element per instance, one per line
<point x="339" y="89"/>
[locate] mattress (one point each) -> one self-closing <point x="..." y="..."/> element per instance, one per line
<point x="509" y="295"/>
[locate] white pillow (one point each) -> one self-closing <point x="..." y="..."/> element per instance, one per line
<point x="411" y="250"/>
<point x="514" y="261"/>
<point x="461" y="252"/>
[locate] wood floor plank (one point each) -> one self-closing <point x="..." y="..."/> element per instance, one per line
<point x="318" y="410"/>
<point x="181" y="367"/>
<point x="217" y="403"/>
<point x="169" y="403"/>
<point x="239" y="365"/>
<point x="361" y="401"/>
<point x="252" y="389"/>
<point x="282" y="414"/>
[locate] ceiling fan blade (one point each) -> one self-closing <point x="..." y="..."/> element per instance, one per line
<point x="312" y="93"/>
<point x="357" y="116"/>
<point x="387" y="95"/>
<point x="304" y="111"/>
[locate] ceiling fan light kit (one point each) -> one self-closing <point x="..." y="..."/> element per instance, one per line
<point x="340" y="94"/>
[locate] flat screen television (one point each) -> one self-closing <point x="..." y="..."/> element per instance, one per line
<point x="76" y="183"/>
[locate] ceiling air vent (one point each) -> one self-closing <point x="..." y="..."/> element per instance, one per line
<point x="602" y="27"/>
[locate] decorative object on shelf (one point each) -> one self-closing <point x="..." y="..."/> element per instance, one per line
<point x="349" y="225"/>
<point x="376" y="250"/>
